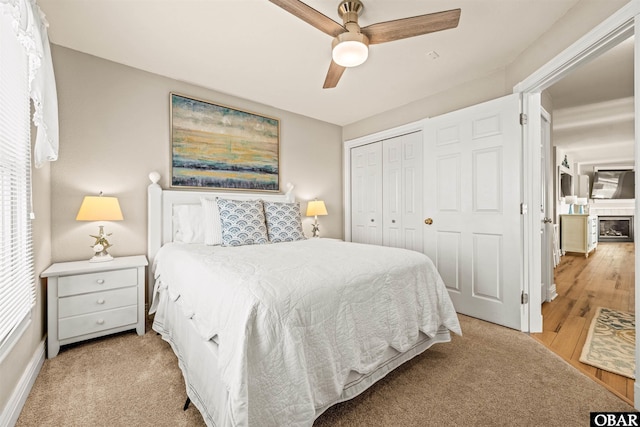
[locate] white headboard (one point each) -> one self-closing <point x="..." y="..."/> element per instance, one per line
<point x="160" y="205"/>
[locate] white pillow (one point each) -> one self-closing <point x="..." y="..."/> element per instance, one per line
<point x="188" y="224"/>
<point x="212" y="223"/>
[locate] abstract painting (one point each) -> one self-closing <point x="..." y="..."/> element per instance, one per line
<point x="215" y="146"/>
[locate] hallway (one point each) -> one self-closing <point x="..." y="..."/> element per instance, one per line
<point x="604" y="279"/>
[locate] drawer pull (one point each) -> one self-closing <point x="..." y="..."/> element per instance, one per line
<point x="100" y="281"/>
<point x="100" y="321"/>
<point x="100" y="301"/>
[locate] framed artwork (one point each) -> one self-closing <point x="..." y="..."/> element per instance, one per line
<point x="215" y="146"/>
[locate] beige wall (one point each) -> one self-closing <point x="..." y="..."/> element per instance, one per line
<point x="576" y="23"/>
<point x="114" y="130"/>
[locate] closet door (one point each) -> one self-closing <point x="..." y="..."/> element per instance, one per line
<point x="366" y="194"/>
<point x="402" y="191"/>
<point x="392" y="192"/>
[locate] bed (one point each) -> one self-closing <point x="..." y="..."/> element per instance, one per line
<point x="275" y="333"/>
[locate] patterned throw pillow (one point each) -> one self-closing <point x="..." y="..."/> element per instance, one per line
<point x="283" y="221"/>
<point x="242" y="222"/>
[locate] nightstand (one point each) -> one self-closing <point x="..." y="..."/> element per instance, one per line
<point x="91" y="299"/>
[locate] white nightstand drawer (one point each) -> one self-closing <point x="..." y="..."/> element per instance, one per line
<point x="94" y="322"/>
<point x="91" y="282"/>
<point x="97" y="301"/>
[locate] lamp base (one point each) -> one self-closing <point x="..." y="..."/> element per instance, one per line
<point x="101" y="257"/>
<point x="100" y="247"/>
<point x="315" y="228"/>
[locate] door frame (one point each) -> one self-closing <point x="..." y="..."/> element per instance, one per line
<point x="612" y="31"/>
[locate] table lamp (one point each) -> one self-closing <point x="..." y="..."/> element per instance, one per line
<point x="315" y="208"/>
<point x="582" y="202"/>
<point x="100" y="208"/>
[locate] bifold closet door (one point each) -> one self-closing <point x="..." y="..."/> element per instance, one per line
<point x="366" y="194"/>
<point x="402" y="191"/>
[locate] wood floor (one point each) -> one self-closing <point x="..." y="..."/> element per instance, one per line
<point x="604" y="279"/>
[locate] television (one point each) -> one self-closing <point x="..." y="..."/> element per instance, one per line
<point x="613" y="184"/>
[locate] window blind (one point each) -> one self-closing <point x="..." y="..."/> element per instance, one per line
<point x="17" y="281"/>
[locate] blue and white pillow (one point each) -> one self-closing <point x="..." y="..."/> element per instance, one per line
<point x="243" y="222"/>
<point x="283" y="221"/>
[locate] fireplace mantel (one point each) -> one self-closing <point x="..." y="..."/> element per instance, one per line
<point x="610" y="211"/>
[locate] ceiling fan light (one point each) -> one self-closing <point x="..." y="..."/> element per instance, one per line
<point x="350" y="49"/>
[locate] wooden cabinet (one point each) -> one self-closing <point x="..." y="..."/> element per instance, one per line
<point x="578" y="233"/>
<point x="386" y="192"/>
<point x="87" y="300"/>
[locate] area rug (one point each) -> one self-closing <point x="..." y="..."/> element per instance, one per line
<point x="611" y="342"/>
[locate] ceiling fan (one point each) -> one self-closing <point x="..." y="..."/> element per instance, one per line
<point x="350" y="46"/>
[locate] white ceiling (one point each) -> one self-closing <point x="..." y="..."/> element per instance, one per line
<point x="605" y="78"/>
<point x="593" y="109"/>
<point x="255" y="50"/>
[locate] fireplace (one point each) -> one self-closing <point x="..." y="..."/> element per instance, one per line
<point x="615" y="229"/>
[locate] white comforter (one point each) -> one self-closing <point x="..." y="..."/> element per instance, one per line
<point x="293" y="319"/>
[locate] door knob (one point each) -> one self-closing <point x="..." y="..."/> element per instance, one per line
<point x="547" y="220"/>
<point x="428" y="221"/>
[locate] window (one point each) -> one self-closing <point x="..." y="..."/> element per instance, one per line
<point x="26" y="74"/>
<point x="17" y="281"/>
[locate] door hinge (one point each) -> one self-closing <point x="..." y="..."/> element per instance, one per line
<point x="523" y="119"/>
<point x="524" y="298"/>
<point x="523" y="209"/>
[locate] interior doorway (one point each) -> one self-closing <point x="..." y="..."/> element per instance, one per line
<point x="609" y="33"/>
<point x="606" y="278"/>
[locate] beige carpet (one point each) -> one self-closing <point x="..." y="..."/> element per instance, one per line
<point x="611" y="342"/>
<point x="491" y="376"/>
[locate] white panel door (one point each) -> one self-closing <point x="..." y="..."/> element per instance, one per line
<point x="472" y="228"/>
<point x="412" y="191"/>
<point x="402" y="191"/>
<point x="366" y="194"/>
<point x="392" y="192"/>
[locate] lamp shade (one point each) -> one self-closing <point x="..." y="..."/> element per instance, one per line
<point x="570" y="200"/>
<point x="582" y="201"/>
<point x="99" y="208"/>
<point x="350" y="49"/>
<point x="316" y="208"/>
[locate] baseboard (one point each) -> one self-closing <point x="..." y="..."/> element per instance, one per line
<point x="553" y="293"/>
<point x="11" y="412"/>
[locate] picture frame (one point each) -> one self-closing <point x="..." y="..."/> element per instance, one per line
<point x="220" y="147"/>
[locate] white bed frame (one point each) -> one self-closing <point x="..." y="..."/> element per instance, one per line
<point x="160" y="213"/>
<point x="160" y="231"/>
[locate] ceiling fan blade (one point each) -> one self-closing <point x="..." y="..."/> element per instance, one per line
<point x="333" y="75"/>
<point x="310" y="16"/>
<point x="409" y="27"/>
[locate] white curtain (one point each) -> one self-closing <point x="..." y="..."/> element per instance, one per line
<point x="30" y="26"/>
